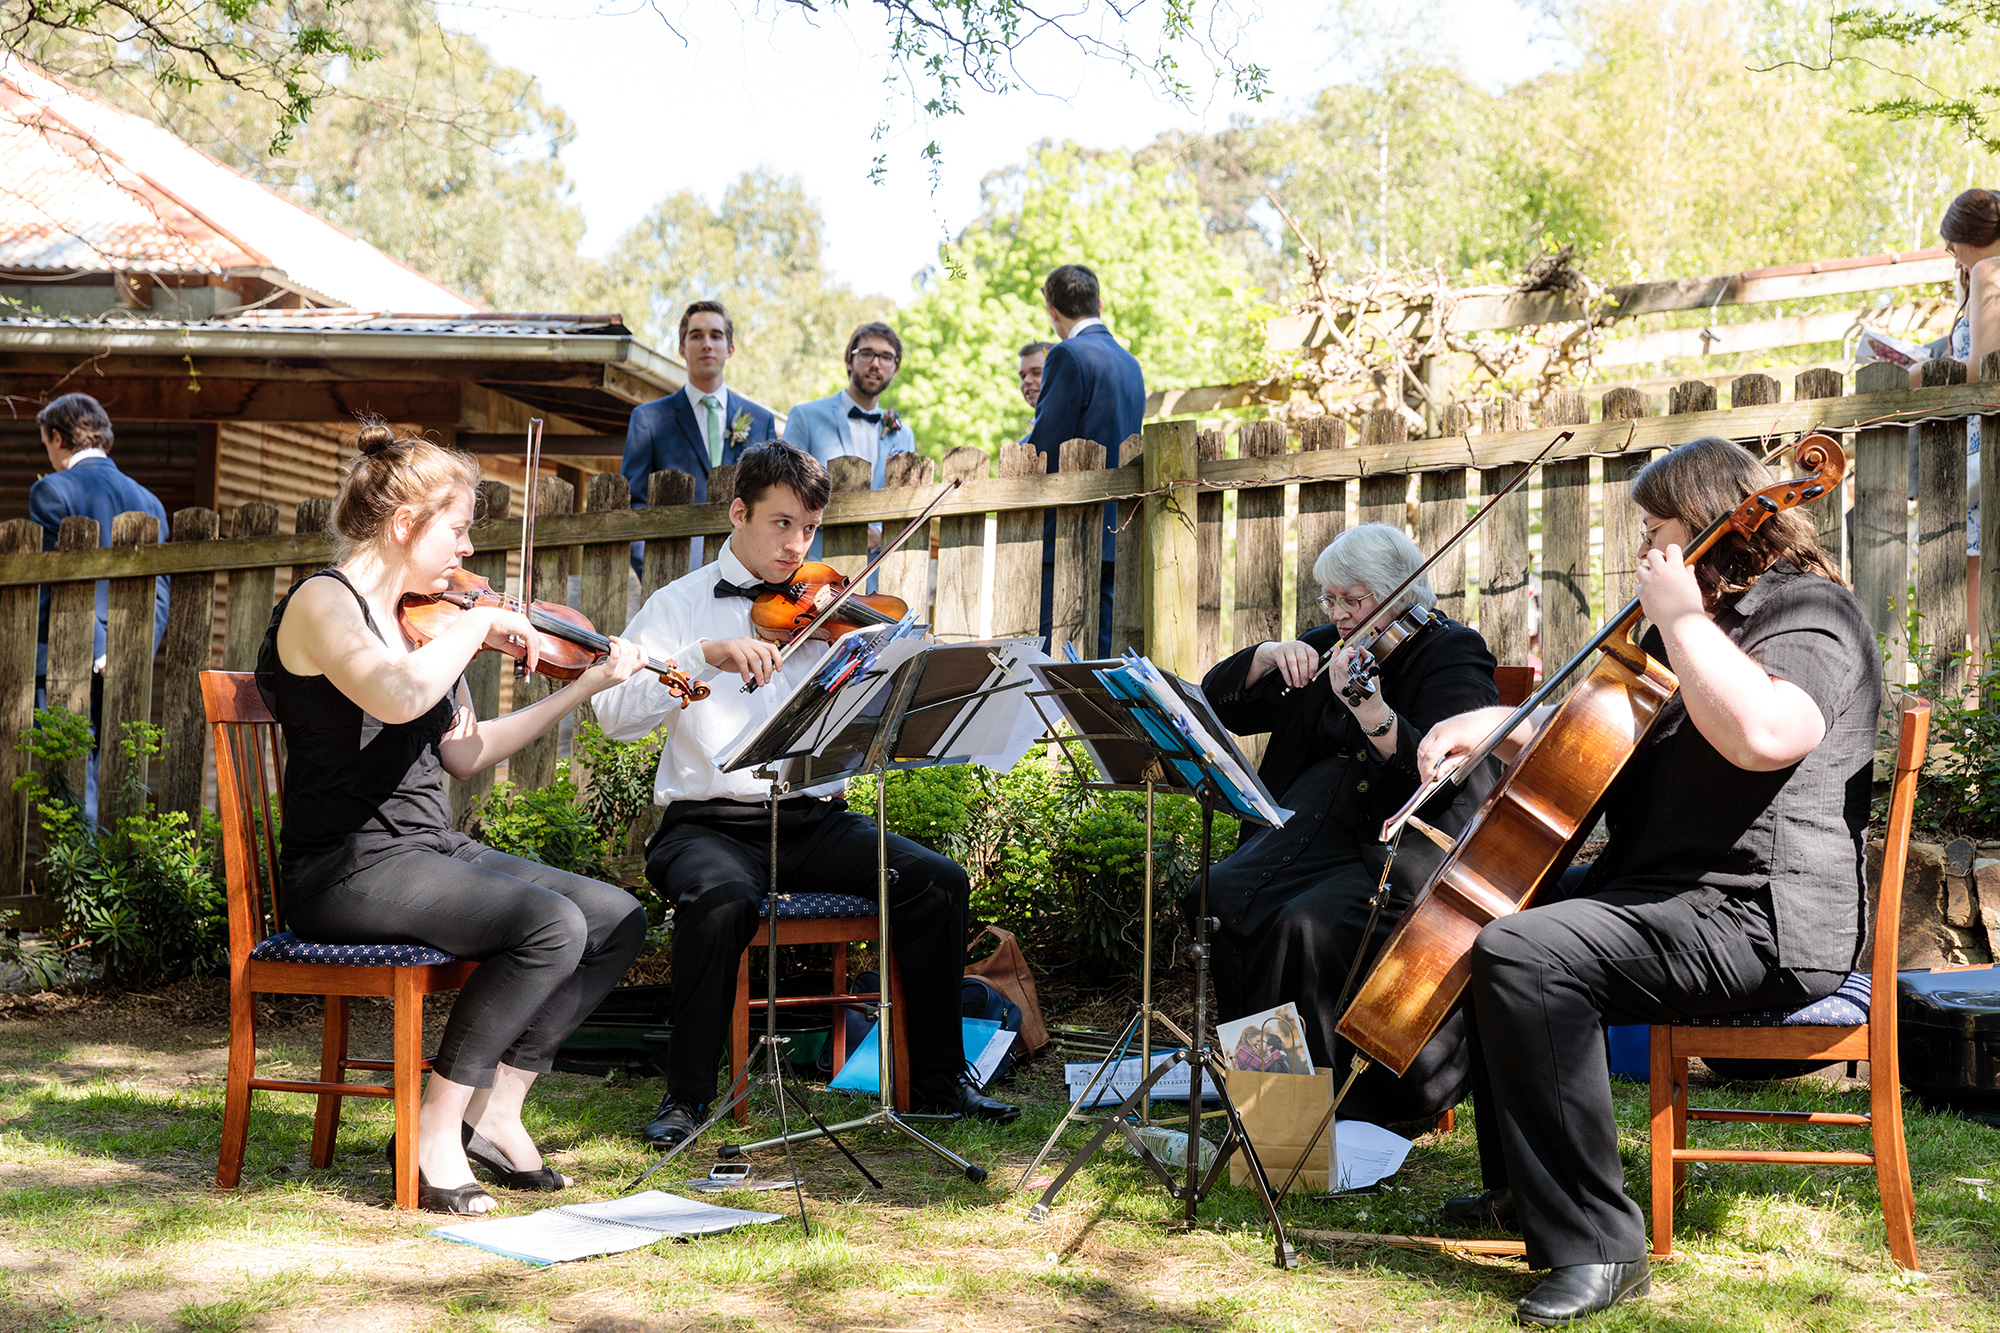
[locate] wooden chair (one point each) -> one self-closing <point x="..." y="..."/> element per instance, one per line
<point x="1857" y="1022"/>
<point x="266" y="958"/>
<point x="838" y="919"/>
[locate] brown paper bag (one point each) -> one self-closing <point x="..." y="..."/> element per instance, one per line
<point x="1280" y="1111"/>
<point x="1006" y="970"/>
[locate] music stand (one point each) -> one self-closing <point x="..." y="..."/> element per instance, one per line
<point x="1144" y="730"/>
<point x="946" y="703"/>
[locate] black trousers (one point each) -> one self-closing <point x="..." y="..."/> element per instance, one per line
<point x="551" y="945"/>
<point x="711" y="861"/>
<point x="1302" y="953"/>
<point x="1545" y="982"/>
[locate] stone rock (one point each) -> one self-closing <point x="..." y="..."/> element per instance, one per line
<point x="1986" y="883"/>
<point x="1961" y="908"/>
<point x="1925" y="941"/>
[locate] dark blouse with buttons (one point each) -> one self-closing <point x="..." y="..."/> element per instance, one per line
<point x="1323" y="769"/>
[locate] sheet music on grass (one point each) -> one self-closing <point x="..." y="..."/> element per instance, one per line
<point x="1199" y="731"/>
<point x="583" y="1230"/>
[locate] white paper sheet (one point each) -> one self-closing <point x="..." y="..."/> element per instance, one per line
<point x="1124" y="1077"/>
<point x="1367" y="1153"/>
<point x="1006" y="726"/>
<point x="989" y="1059"/>
<point x="578" y="1231"/>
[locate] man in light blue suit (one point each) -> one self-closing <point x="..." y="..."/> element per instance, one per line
<point x="703" y="426"/>
<point x="853" y="423"/>
<point x="1091" y="389"/>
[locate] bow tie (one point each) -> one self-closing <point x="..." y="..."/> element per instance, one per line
<point x="872" y="418"/>
<point x="724" y="588"/>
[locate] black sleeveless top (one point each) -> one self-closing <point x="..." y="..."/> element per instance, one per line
<point x="357" y="790"/>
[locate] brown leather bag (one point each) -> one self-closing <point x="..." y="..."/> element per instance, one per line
<point x="1006" y="970"/>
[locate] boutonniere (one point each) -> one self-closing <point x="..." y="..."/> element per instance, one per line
<point x="891" y="423"/>
<point x="739" y="429"/>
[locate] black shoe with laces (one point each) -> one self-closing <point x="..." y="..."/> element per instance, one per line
<point x="955" y="1094"/>
<point x="674" y="1123"/>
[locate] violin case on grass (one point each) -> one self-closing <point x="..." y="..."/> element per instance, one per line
<point x="1948" y="1034"/>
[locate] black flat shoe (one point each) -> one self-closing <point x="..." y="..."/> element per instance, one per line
<point x="1577" y="1291"/>
<point x="481" y="1152"/>
<point x="1492" y="1210"/>
<point x="434" y="1199"/>
<point x="954" y="1094"/>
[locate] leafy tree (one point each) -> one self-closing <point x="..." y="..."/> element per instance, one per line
<point x="1182" y="305"/>
<point x="760" y="253"/>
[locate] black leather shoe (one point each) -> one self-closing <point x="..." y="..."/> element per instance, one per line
<point x="953" y="1094"/>
<point x="674" y="1123"/>
<point x="1578" y="1291"/>
<point x="1492" y="1210"/>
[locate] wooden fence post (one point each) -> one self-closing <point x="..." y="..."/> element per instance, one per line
<point x="907" y="571"/>
<point x="1208" y="552"/>
<point x="533" y="766"/>
<point x="128" y="667"/>
<point x="482" y="675"/>
<point x="1690" y="396"/>
<point x="183" y="657"/>
<point x="1829" y="512"/>
<point x="962" y="555"/>
<point x="73" y="637"/>
<point x="1385" y="496"/>
<point x="607" y="566"/>
<point x="845" y="545"/>
<point x="1565" y="482"/>
<point x="1881" y="536"/>
<point x="1941" y="539"/>
<point x="251" y="594"/>
<point x="19" y="607"/>
<point x="721" y="489"/>
<point x="1171" y="566"/>
<point x="1260" y="544"/>
<point x="1989" y="514"/>
<point x="1322" y="514"/>
<point x="1128" y="583"/>
<point x="666" y="558"/>
<point x="1441" y="513"/>
<point x="1503" y="549"/>
<point x="1621" y="516"/>
<point x="1079" y="556"/>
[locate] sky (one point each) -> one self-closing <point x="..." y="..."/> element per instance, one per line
<point x="672" y="95"/>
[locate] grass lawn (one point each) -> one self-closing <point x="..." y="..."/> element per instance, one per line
<point x="109" y="1219"/>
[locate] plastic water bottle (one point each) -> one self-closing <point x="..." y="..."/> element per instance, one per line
<point x="1170" y="1146"/>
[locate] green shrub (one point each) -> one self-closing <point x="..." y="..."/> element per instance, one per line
<point x="571" y="830"/>
<point x="139" y="891"/>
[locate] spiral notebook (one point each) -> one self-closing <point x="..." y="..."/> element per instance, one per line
<point x="582" y="1230"/>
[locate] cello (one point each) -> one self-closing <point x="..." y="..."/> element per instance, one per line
<point x="1538" y="814"/>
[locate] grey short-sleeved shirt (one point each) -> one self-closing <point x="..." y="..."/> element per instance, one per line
<point x="1684" y="818"/>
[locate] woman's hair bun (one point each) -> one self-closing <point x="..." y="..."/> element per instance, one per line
<point x="374" y="438"/>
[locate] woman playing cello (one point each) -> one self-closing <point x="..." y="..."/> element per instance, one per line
<point x="1733" y="879"/>
<point x="372" y="724"/>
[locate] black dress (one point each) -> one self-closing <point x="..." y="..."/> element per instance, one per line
<point x="1292" y="902"/>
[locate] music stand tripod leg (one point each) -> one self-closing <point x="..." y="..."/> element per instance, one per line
<point x="1077" y="1115"/>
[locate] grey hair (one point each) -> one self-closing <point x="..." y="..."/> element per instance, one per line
<point x="1378" y="557"/>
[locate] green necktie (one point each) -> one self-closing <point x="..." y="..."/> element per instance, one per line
<point x="714" y="406"/>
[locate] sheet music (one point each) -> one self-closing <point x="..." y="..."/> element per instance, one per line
<point x="805" y="723"/>
<point x="1248" y="796"/>
<point x="578" y="1231"/>
<point x="1004" y="726"/>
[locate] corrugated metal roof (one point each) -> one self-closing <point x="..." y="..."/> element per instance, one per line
<point x="84" y="196"/>
<point x="337" y="321"/>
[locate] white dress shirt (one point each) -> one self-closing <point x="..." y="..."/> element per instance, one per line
<point x="82" y="454"/>
<point x="864" y="437"/>
<point x="694" y="397"/>
<point x="1080" y="326"/>
<point x="675" y="622"/>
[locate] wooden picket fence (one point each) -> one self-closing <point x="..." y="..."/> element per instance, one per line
<point x="1192" y="578"/>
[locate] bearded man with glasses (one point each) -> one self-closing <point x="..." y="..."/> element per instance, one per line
<point x="1294" y="903"/>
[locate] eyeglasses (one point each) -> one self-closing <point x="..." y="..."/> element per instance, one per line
<point x="869" y="354"/>
<point x="1327" y="604"/>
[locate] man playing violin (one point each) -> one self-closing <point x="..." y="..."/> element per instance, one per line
<point x="1733" y="879"/>
<point x="710" y="856"/>
<point x="1294" y="902"/>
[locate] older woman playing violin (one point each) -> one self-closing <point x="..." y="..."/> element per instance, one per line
<point x="372" y="724"/>
<point x="1294" y="902"/>
<point x="1733" y="878"/>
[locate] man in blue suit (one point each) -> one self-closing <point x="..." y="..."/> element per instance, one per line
<point x="703" y="426"/>
<point x="1092" y="389"/>
<point x="853" y="423"/>
<point x="76" y="432"/>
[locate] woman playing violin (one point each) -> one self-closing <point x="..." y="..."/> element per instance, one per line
<point x="1294" y="902"/>
<point x="1733" y="879"/>
<point x="372" y="725"/>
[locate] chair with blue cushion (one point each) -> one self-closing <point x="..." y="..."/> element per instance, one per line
<point x="838" y="919"/>
<point x="265" y="958"/>
<point x="1841" y="1026"/>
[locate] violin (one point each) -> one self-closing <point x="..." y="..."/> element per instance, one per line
<point x="1539" y="812"/>
<point x="570" y="645"/>
<point x="1375" y="646"/>
<point x="782" y="617"/>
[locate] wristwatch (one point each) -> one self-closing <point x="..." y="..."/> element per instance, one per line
<point x="1382" y="730"/>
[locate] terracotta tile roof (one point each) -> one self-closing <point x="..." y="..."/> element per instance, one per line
<point x="85" y="187"/>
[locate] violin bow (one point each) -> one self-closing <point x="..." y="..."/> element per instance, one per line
<point x="1383" y="607"/>
<point x="528" y="519"/>
<point x="859" y="581"/>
